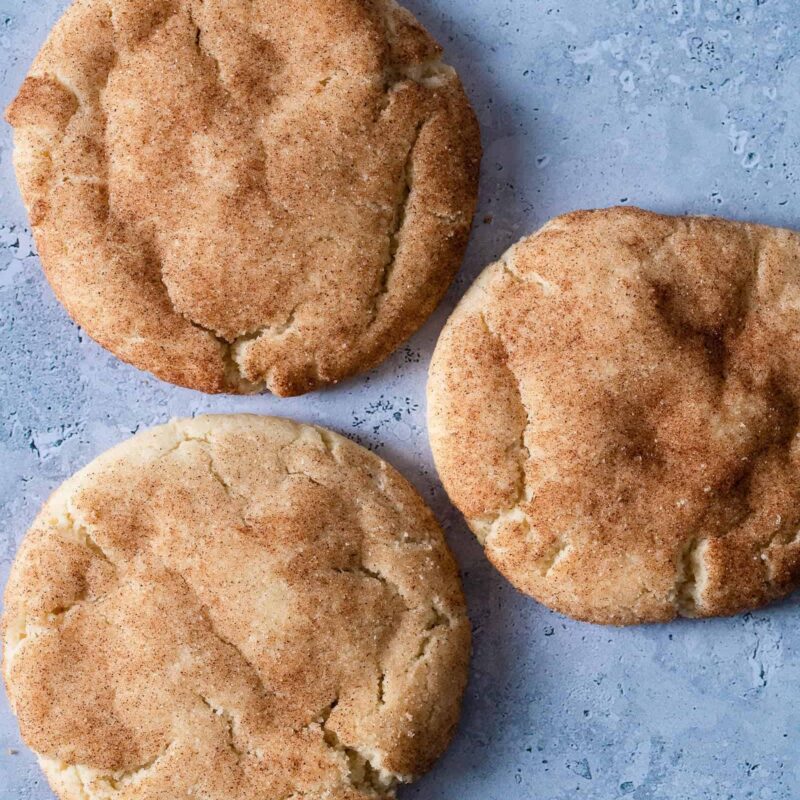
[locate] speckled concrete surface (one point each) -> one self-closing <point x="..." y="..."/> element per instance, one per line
<point x="676" y="105"/>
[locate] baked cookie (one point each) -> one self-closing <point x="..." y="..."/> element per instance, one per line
<point x="614" y="408"/>
<point x="235" y="608"/>
<point x="239" y="194"/>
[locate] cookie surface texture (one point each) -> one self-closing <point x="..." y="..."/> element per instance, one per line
<point x="235" y="608"/>
<point x="246" y="194"/>
<point x="613" y="406"/>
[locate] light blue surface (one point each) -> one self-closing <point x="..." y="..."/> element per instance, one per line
<point x="675" y="105"/>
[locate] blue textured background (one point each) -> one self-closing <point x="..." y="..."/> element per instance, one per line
<point x="675" y="105"/>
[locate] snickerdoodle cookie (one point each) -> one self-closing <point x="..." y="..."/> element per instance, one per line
<point x="235" y="608"/>
<point x="239" y="194"/>
<point x="614" y="408"/>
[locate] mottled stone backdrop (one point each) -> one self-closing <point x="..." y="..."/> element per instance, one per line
<point x="675" y="105"/>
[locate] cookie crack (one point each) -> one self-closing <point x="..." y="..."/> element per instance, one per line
<point x="212" y="629"/>
<point x="207" y="447"/>
<point x="331" y="444"/>
<point x="487" y="528"/>
<point x="236" y="349"/>
<point x="273" y="331"/>
<point x="364" y="771"/>
<point x="82" y="535"/>
<point x="787" y="534"/>
<point x="205" y="53"/>
<point x="431" y="73"/>
<point x="231" y="725"/>
<point x="217" y="635"/>
<point x="690" y="577"/>
<point x="508" y="265"/>
<point x="58" y="614"/>
<point x="548" y="561"/>
<point x="523" y="492"/>
<point x="135" y="774"/>
<point x="362" y="571"/>
<point x="88" y="777"/>
<point x="394" y="234"/>
<point x="233" y="375"/>
<point x="438" y="620"/>
<point x="26" y="628"/>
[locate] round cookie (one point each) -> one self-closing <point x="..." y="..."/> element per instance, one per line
<point x="235" y="608"/>
<point x="614" y="408"/>
<point x="239" y="194"/>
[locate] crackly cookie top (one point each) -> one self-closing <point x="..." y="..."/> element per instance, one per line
<point x="235" y="608"/>
<point x="235" y="194"/>
<point x="614" y="408"/>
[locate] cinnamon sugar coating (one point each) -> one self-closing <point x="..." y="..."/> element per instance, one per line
<point x="614" y="408"/>
<point x="239" y="194"/>
<point x="235" y="608"/>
